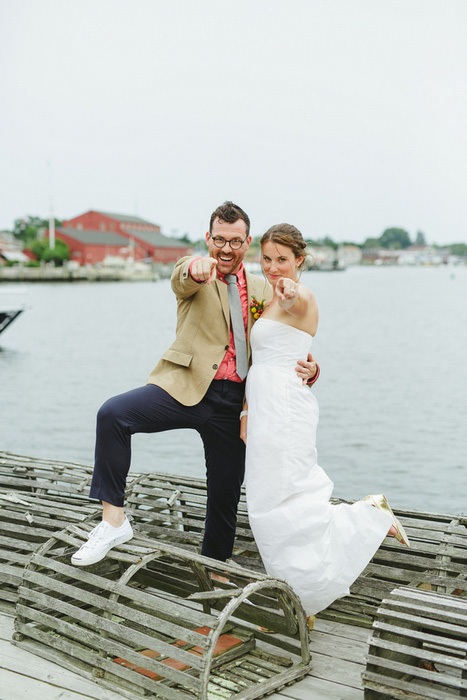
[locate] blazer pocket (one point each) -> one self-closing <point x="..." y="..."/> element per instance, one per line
<point x="177" y="357"/>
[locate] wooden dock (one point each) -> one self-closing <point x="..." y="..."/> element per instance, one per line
<point x="338" y="652"/>
<point x="45" y="508"/>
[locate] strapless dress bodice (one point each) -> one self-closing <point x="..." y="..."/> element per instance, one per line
<point x="276" y="344"/>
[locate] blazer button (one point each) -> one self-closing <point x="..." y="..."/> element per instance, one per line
<point x="227" y="347"/>
<point x="215" y="367"/>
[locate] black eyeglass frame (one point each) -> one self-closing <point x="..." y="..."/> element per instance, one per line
<point x="234" y="240"/>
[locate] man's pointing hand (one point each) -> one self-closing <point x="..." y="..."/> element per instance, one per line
<point x="204" y="270"/>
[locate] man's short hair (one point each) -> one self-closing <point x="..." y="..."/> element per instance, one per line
<point x="230" y="213"/>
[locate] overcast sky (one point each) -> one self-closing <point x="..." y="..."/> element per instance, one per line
<point x="343" y="117"/>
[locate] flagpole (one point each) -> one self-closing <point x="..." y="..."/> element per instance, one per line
<point x="51" y="210"/>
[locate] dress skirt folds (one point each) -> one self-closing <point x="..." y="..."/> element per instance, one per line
<point x="317" y="547"/>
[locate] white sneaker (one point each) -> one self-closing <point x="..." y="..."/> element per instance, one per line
<point x="102" y="538"/>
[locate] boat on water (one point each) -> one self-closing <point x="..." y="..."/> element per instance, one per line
<point x="12" y="305"/>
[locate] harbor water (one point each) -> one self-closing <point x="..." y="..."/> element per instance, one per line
<point x="391" y="344"/>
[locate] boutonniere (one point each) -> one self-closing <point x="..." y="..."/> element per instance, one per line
<point x="257" y="307"/>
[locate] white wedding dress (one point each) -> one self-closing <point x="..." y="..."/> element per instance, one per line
<point x="317" y="547"/>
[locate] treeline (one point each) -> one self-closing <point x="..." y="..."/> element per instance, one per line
<point x="392" y="239"/>
<point x="31" y="231"/>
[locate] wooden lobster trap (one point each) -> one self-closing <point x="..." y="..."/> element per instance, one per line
<point x="436" y="561"/>
<point x="28" y="520"/>
<point x="37" y="498"/>
<point x="173" y="507"/>
<point x="44" y="476"/>
<point x="418" y="648"/>
<point x="147" y="622"/>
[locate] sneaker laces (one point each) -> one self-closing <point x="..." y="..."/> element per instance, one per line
<point x="97" y="534"/>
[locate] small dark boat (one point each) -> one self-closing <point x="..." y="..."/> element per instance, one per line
<point x="10" y="309"/>
<point x="7" y="317"/>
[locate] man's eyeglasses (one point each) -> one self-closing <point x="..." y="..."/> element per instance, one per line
<point x="235" y="244"/>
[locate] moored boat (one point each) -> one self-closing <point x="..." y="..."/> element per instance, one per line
<point x="11" y="306"/>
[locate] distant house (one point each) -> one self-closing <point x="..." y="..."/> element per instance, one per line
<point x="96" y="235"/>
<point x="10" y="249"/>
<point x="349" y="255"/>
<point x="380" y="256"/>
<point x="423" y="255"/>
<point x="413" y="255"/>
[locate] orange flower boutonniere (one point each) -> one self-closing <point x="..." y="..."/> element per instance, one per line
<point x="257" y="307"/>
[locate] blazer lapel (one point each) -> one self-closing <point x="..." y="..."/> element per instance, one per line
<point x="222" y="291"/>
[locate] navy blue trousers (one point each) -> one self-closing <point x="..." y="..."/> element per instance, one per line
<point x="150" y="409"/>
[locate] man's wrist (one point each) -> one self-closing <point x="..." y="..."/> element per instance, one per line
<point x="190" y="270"/>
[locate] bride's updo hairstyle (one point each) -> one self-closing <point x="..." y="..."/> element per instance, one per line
<point x="286" y="234"/>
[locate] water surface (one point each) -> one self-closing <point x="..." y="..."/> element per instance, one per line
<point x="392" y="347"/>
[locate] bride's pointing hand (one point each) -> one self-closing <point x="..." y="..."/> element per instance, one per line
<point x="287" y="290"/>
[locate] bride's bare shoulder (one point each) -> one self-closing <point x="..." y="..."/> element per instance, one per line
<point x="308" y="295"/>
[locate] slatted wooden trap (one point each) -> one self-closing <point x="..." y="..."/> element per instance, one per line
<point x="436" y="561"/>
<point x="37" y="498"/>
<point x="172" y="508"/>
<point x="145" y="621"/>
<point x="28" y="520"/>
<point x="418" y="648"/>
<point x="51" y="477"/>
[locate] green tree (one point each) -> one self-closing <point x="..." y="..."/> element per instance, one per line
<point x="420" y="239"/>
<point x="28" y="228"/>
<point x="395" y="238"/>
<point x="327" y="241"/>
<point x="458" y="249"/>
<point x="43" y="251"/>
<point x="358" y="245"/>
<point x="372" y="243"/>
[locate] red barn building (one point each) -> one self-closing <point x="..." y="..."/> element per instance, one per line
<point x="95" y="235"/>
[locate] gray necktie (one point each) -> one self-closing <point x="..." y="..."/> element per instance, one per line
<point x="238" y="326"/>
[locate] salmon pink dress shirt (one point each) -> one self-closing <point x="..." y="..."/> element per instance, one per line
<point x="228" y="366"/>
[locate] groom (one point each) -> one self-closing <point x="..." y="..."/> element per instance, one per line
<point x="199" y="383"/>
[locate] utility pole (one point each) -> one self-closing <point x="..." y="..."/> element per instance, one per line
<point x="51" y="210"/>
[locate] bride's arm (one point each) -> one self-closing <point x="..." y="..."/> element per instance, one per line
<point x="244" y="421"/>
<point x="296" y="299"/>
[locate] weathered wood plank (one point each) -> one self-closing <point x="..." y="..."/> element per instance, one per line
<point x="20" y="687"/>
<point x="47" y="680"/>
<point x="312" y="688"/>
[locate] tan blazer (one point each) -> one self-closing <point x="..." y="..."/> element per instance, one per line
<point x="202" y="337"/>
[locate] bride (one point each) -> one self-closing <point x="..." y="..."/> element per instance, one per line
<point x="318" y="548"/>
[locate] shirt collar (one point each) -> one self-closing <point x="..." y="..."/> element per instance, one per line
<point x="241" y="280"/>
